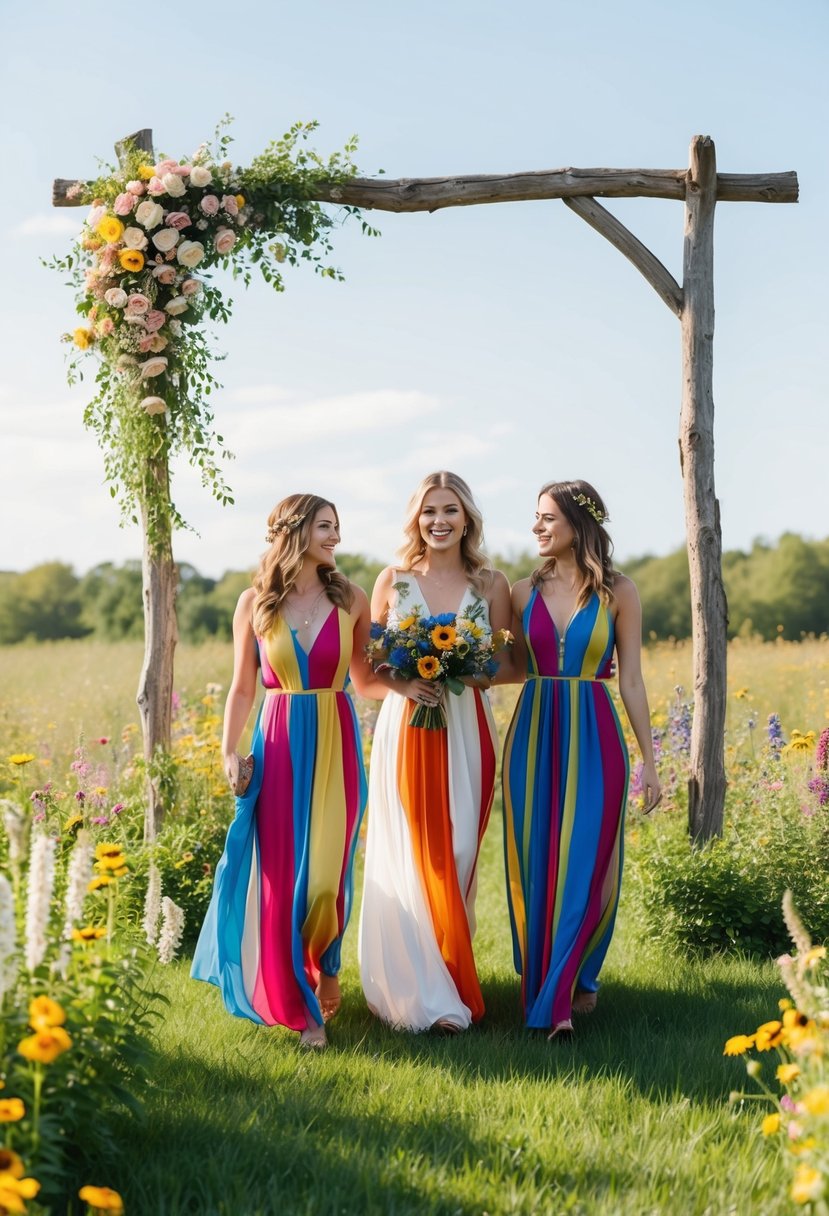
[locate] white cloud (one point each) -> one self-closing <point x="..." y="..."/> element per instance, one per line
<point x="48" y="224"/>
<point x="254" y="394"/>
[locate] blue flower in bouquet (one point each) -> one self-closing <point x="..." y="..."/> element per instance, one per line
<point x="444" y="618"/>
<point x="400" y="657"/>
<point x="377" y="630"/>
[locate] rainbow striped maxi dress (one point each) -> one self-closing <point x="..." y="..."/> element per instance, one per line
<point x="565" y="776"/>
<point x="283" y="888"/>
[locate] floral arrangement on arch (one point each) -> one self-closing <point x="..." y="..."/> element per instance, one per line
<point x="142" y="266"/>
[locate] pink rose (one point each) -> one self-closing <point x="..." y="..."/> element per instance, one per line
<point x="96" y="214"/>
<point x="106" y="326"/>
<point x="164" y="274"/>
<point x="230" y="205"/>
<point x="209" y="204"/>
<point x="108" y="257"/>
<point x="154" y="320"/>
<point x="124" y="204"/>
<point x="165" y="166"/>
<point x="178" y="220"/>
<point x="136" y="188"/>
<point x="191" y="287"/>
<point x="137" y="305"/>
<point x="155" y="186"/>
<point x="224" y="240"/>
<point x="145" y="344"/>
<point x="166" y="239"/>
<point x="153" y="367"/>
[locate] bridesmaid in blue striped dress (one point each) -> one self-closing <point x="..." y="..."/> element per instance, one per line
<point x="566" y="766"/>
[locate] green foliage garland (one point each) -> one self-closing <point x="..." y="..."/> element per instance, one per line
<point x="150" y="226"/>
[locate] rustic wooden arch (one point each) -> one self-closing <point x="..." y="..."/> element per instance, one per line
<point x="700" y="187"/>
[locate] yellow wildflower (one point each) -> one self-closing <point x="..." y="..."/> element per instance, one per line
<point x="45" y="1045"/>
<point x="102" y="1199"/>
<point x="738" y="1044"/>
<point x="786" y="1073"/>
<point x="100" y="880"/>
<point x="10" y="1163"/>
<point x="11" y="1110"/>
<point x="240" y="200"/>
<point x="145" y="172"/>
<point x="111" y="229"/>
<point x="816" y="1100"/>
<point x="771" y="1124"/>
<point x="13" y="1190"/>
<point x="21" y="758"/>
<point x="816" y="953"/>
<point x="784" y="1003"/>
<point x="44" y="1013"/>
<point x="112" y="861"/>
<point x="73" y="823"/>
<point x="768" y="1035"/>
<point x="89" y="933"/>
<point x="741" y="694"/>
<point x="107" y="850"/>
<point x="799" y="742"/>
<point x="807" y="1184"/>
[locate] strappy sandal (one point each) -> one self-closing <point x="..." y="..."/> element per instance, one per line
<point x="561" y="1033"/>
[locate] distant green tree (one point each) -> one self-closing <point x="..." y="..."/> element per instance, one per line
<point x="43" y="603"/>
<point x="112" y="604"/>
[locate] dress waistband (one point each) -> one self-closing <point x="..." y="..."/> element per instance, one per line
<point x="573" y="679"/>
<point x="300" y="692"/>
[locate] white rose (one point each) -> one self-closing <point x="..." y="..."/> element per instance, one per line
<point x="134" y="238"/>
<point x="166" y="239"/>
<point x="116" y="297"/>
<point x="173" y="185"/>
<point x="154" y="405"/>
<point x="157" y="343"/>
<point x="153" y="367"/>
<point x="190" y="253"/>
<point x="149" y="214"/>
<point x="175" y="328"/>
<point x="200" y="176"/>
<point x="176" y="306"/>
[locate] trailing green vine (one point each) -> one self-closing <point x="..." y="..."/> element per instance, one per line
<point x="152" y="224"/>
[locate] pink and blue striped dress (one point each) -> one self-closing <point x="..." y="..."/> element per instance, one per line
<point x="565" y="775"/>
<point x="283" y="889"/>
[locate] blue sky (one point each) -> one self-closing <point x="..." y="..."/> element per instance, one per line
<point x="510" y="343"/>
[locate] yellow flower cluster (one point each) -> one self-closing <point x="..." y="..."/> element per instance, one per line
<point x="50" y="1040"/>
<point x="102" y="1199"/>
<point x="14" y="1188"/>
<point x="800" y="1036"/>
<point x="111" y="863"/>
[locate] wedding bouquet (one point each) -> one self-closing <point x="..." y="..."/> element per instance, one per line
<point x="444" y="648"/>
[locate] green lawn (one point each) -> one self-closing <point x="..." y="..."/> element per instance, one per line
<point x="633" y="1117"/>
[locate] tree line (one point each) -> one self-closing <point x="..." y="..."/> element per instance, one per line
<point x="773" y="590"/>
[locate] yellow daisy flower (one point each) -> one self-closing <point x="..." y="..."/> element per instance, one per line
<point x="102" y="1199"/>
<point x="11" y="1110"/>
<point x="45" y="1045"/>
<point x="44" y="1013"/>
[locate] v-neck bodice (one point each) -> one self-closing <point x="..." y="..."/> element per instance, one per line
<point x="287" y="666"/>
<point x="408" y="600"/>
<point x="583" y="651"/>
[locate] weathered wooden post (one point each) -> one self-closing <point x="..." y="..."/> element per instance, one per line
<point x="709" y="612"/>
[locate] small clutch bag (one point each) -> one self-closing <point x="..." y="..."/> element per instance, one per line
<point x="244" y="773"/>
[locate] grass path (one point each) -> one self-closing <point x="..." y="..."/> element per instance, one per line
<point x="631" y="1118"/>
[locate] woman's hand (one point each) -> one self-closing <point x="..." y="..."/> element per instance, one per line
<point x="651" y="789"/>
<point x="238" y="770"/>
<point x="424" y="692"/>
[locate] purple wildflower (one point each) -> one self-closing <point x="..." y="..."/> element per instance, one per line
<point x="117" y="809"/>
<point x="776" y="736"/>
<point x="101" y="820"/>
<point x="80" y="796"/>
<point x="822" y="752"/>
<point x="679" y="724"/>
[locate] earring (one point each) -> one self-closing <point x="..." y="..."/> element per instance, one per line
<point x="464" y="529"/>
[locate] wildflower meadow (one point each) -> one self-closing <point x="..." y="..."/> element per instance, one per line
<point x="700" y="1084"/>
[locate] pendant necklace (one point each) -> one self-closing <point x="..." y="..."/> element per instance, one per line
<point x="311" y="612"/>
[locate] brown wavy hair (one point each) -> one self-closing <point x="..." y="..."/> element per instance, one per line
<point x="592" y="545"/>
<point x="289" y="531"/>
<point x="475" y="561"/>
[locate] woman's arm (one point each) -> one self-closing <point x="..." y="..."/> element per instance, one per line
<point x="513" y="670"/>
<point x="365" y="681"/>
<point x="242" y="690"/>
<point x="631" y="683"/>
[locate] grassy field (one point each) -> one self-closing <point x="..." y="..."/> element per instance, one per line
<point x="633" y="1117"/>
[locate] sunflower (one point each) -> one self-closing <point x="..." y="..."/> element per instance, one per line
<point x="738" y="1045"/>
<point x="428" y="667"/>
<point x="443" y="636"/>
<point x="100" y="880"/>
<point x="89" y="933"/>
<point x="73" y="823"/>
<point x="131" y="259"/>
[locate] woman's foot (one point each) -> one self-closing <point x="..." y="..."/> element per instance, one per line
<point x="584" y="1001"/>
<point x="562" y="1032"/>
<point x="328" y="995"/>
<point x="313" y="1038"/>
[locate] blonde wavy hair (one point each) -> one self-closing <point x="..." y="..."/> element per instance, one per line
<point x="580" y="505"/>
<point x="288" y="536"/>
<point x="475" y="562"/>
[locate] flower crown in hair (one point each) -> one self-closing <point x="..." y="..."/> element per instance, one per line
<point x="286" y="524"/>
<point x="590" y="507"/>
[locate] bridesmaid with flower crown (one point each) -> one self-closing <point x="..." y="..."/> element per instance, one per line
<point x="430" y="790"/>
<point x="565" y="767"/>
<point x="282" y="894"/>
